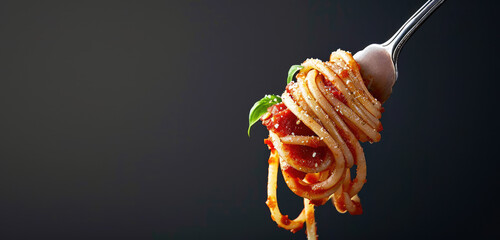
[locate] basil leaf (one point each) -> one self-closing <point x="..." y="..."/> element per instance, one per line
<point x="293" y="69"/>
<point x="260" y="108"/>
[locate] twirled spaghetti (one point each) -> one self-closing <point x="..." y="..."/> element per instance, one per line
<point x="314" y="137"/>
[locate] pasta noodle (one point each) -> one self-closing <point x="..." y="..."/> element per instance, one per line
<point x="314" y="137"/>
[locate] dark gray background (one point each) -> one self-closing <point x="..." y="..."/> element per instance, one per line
<point x="128" y="119"/>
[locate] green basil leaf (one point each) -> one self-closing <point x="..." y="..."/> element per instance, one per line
<point x="293" y="69"/>
<point x="260" y="108"/>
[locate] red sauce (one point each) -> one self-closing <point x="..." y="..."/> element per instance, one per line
<point x="307" y="157"/>
<point x="344" y="73"/>
<point x="314" y="143"/>
<point x="271" y="202"/>
<point x="319" y="202"/>
<point x="310" y="216"/>
<point x="269" y="143"/>
<point x="311" y="178"/>
<point x="293" y="172"/>
<point x="358" y="210"/>
<point x="380" y="127"/>
<point x="334" y="90"/>
<point x="283" y="122"/>
<point x="297" y="229"/>
<point x="340" y="204"/>
<point x="272" y="160"/>
<point x="285" y="220"/>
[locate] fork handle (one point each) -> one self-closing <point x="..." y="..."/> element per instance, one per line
<point x="396" y="42"/>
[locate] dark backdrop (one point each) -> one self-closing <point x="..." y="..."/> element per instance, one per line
<point x="128" y="119"/>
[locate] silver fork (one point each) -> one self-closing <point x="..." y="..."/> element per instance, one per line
<point x="379" y="61"/>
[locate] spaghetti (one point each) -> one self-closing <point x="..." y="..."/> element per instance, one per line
<point x="314" y="136"/>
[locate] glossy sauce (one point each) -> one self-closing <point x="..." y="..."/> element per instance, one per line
<point x="335" y="91"/>
<point x="283" y="123"/>
<point x="285" y="220"/>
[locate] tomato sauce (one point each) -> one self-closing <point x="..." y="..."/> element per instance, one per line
<point x="285" y="220"/>
<point x="293" y="172"/>
<point x="269" y="143"/>
<point x="307" y="157"/>
<point x="283" y="123"/>
<point x="334" y="90"/>
<point x="319" y="202"/>
<point x="271" y="202"/>
<point x="297" y="229"/>
<point x="340" y="204"/>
